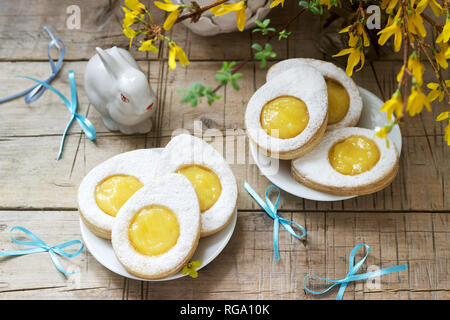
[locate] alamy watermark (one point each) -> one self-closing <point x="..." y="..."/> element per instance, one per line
<point x="73" y="20"/>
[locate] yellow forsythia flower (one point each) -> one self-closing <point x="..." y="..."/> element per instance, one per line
<point x="394" y="29"/>
<point x="356" y="56"/>
<point x="329" y="3"/>
<point x="129" y="33"/>
<point x="148" y="46"/>
<point x="445" y="116"/>
<point x="383" y="132"/>
<point x="130" y="17"/>
<point x="445" y="34"/>
<point x="416" y="101"/>
<point x="441" y="57"/>
<point x="176" y="51"/>
<point x="174" y="10"/>
<point x="415" y="24"/>
<point x="400" y="74"/>
<point x="354" y="37"/>
<point x="416" y="67"/>
<point x="437" y="92"/>
<point x="434" y="5"/>
<point x="389" y="5"/>
<point x="239" y="8"/>
<point x="276" y="3"/>
<point x="191" y="268"/>
<point x="360" y="30"/>
<point x="393" y="105"/>
<point x="135" y="5"/>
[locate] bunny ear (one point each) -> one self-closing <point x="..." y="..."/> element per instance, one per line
<point x="110" y="63"/>
<point x="126" y="58"/>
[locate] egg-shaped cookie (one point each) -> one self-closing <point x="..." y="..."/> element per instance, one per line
<point x="110" y="184"/>
<point x="348" y="161"/>
<point x="344" y="100"/>
<point x="157" y="230"/>
<point x="210" y="175"/>
<point x="287" y="116"/>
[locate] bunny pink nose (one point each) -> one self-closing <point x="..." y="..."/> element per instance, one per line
<point x="150" y="106"/>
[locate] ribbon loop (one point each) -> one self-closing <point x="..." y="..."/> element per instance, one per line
<point x="351" y="275"/>
<point x="41" y="246"/>
<point x="36" y="91"/>
<point x="271" y="209"/>
<point x="85" y="124"/>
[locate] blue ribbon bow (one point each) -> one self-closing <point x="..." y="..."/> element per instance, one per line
<point x="271" y="210"/>
<point x="34" y="93"/>
<point x="351" y="276"/>
<point x="41" y="246"/>
<point x="85" y="124"/>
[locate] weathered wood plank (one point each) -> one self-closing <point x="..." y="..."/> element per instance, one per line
<point x="33" y="178"/>
<point x="35" y="277"/>
<point x="22" y="36"/>
<point x="247" y="273"/>
<point x="49" y="115"/>
<point x="246" y="269"/>
<point x="58" y="189"/>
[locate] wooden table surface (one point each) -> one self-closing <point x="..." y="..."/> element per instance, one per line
<point x="407" y="222"/>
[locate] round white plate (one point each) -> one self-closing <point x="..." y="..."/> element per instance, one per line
<point x="280" y="174"/>
<point x="208" y="249"/>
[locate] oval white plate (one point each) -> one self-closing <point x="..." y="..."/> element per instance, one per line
<point x="371" y="117"/>
<point x="208" y="249"/>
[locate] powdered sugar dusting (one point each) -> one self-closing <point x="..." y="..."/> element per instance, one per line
<point x="139" y="163"/>
<point x="175" y="192"/>
<point x="328" y="70"/>
<point x="315" y="165"/>
<point x="305" y="83"/>
<point x="184" y="150"/>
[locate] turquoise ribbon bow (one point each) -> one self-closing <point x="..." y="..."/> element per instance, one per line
<point x="351" y="276"/>
<point x="33" y="93"/>
<point x="85" y="124"/>
<point x="271" y="210"/>
<point x="41" y="246"/>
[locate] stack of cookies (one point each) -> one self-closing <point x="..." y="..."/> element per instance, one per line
<point x="307" y="112"/>
<point x="155" y="205"/>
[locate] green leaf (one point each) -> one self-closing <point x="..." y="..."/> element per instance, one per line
<point x="263" y="27"/>
<point x="237" y="76"/>
<point x="225" y="75"/>
<point x="256" y="46"/>
<point x="234" y="85"/>
<point x="303" y="4"/>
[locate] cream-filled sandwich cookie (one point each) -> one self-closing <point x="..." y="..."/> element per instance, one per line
<point x="110" y="184"/>
<point x="344" y="100"/>
<point x="157" y="230"/>
<point x="209" y="173"/>
<point x="348" y="161"/>
<point x="287" y="116"/>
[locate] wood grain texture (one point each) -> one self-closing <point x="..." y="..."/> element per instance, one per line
<point x="404" y="223"/>
<point x="246" y="269"/>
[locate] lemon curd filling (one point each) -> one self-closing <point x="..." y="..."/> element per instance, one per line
<point x="114" y="191"/>
<point x="154" y="230"/>
<point x="284" y="117"/>
<point x="354" y="155"/>
<point x="338" y="101"/>
<point x="206" y="183"/>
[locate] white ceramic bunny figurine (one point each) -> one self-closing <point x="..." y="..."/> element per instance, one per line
<point x="120" y="91"/>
